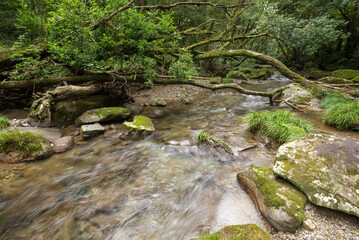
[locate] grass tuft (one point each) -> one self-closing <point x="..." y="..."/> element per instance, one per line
<point x="22" y="143"/>
<point x="282" y="126"/>
<point x="4" y="121"/>
<point x="342" y="113"/>
<point x="203" y="137"/>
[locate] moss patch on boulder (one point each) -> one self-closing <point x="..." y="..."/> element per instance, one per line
<point x="325" y="168"/>
<point x="159" y="102"/>
<point x="107" y="114"/>
<point x="140" y="123"/>
<point x="345" y="73"/>
<point x="238" y="232"/>
<point x="279" y="202"/>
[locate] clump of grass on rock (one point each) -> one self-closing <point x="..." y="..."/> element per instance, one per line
<point x="342" y="113"/>
<point x="282" y="126"/>
<point x="22" y="143"/>
<point x="203" y="137"/>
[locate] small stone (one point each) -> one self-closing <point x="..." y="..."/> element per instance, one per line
<point x="309" y="225"/>
<point x="185" y="101"/>
<point x="91" y="130"/>
<point x="63" y="144"/>
<point x="307" y="207"/>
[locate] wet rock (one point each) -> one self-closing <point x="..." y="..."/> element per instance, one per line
<point x="103" y="115"/>
<point x="325" y="168"/>
<point x="140" y="123"/>
<point x="135" y="108"/>
<point x="157" y="113"/>
<point x="91" y="130"/>
<point x="185" y="101"/>
<point x="239" y="232"/>
<point x="159" y="102"/>
<point x="295" y="93"/>
<point x="63" y="144"/>
<point x="281" y="204"/>
<point x="335" y="80"/>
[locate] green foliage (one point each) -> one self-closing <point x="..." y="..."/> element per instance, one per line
<point x="183" y="68"/>
<point x="342" y="113"/>
<point x="282" y="126"/>
<point x="22" y="143"/>
<point x="4" y="121"/>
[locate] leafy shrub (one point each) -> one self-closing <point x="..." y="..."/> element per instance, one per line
<point x="22" y="143"/>
<point x="282" y="126"/>
<point x="342" y="113"/>
<point x="4" y="121"/>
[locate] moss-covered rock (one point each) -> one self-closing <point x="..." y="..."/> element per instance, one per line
<point x="279" y="202"/>
<point x="140" y="123"/>
<point x="345" y="73"/>
<point x="67" y="111"/>
<point x="104" y="115"/>
<point x="236" y="75"/>
<point x="261" y="73"/>
<point x="315" y="73"/>
<point x="296" y="94"/>
<point x="159" y="102"/>
<point x="19" y="146"/>
<point x="239" y="232"/>
<point x="356" y="79"/>
<point x="325" y="168"/>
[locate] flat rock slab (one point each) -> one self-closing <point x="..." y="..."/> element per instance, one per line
<point x="104" y="115"/>
<point x="325" y="168"/>
<point x="92" y="130"/>
<point x="280" y="203"/>
<point x="51" y="134"/>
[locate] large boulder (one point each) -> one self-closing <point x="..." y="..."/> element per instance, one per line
<point x="67" y="111"/>
<point x="325" y="168"/>
<point x="296" y="94"/>
<point x="279" y="202"/>
<point x="103" y="115"/>
<point x="239" y="232"/>
<point x="40" y="150"/>
<point x="345" y="73"/>
<point x="139" y="124"/>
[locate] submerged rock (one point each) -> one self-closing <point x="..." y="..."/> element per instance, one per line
<point x="159" y="102"/>
<point x="135" y="108"/>
<point x="92" y="130"/>
<point x="325" y="168"/>
<point x="279" y="202"/>
<point x="103" y="115"/>
<point x="239" y="232"/>
<point x="140" y="123"/>
<point x="63" y="144"/>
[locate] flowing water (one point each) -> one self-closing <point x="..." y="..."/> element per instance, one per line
<point x="160" y="186"/>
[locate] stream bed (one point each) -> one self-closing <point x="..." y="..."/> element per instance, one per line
<point x="160" y="186"/>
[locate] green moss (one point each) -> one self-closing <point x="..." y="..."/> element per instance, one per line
<point x="353" y="172"/>
<point x="356" y="79"/>
<point x="238" y="232"/>
<point x="118" y="111"/>
<point x="140" y="123"/>
<point x="216" y="80"/>
<point x="22" y="143"/>
<point x="4" y="121"/>
<point x="345" y="73"/>
<point x="236" y="75"/>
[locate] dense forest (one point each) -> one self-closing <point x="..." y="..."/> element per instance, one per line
<point x="276" y="102"/>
